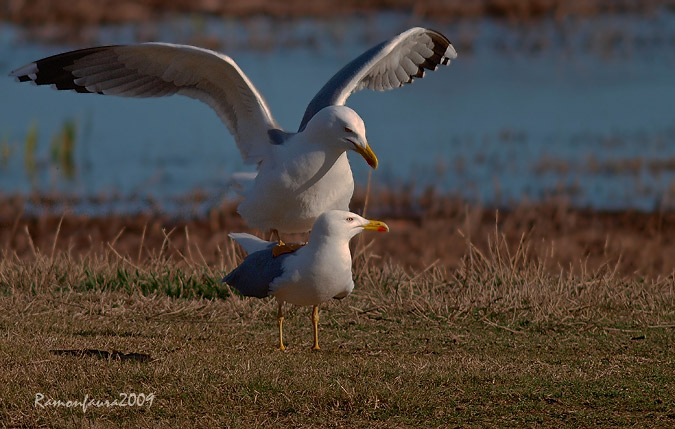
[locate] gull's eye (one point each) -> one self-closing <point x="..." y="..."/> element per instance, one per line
<point x="350" y="219"/>
<point x="349" y="130"/>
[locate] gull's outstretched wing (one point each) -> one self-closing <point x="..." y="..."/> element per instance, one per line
<point x="389" y="65"/>
<point x="161" y="69"/>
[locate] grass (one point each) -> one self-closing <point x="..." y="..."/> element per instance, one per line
<point x="499" y="341"/>
<point x="427" y="229"/>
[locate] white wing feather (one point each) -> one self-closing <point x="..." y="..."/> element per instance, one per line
<point x="386" y="66"/>
<point x="250" y="243"/>
<point x="161" y="69"/>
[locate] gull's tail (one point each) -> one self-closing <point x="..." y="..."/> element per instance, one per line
<point x="250" y="243"/>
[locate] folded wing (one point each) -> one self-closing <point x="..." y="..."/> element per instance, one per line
<point x="260" y="268"/>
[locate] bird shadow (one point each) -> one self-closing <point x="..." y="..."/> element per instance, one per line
<point x="104" y="354"/>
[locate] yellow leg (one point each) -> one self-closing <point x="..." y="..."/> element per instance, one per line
<point x="275" y="234"/>
<point x="315" y="321"/>
<point x="281" y="247"/>
<point x="280" y="318"/>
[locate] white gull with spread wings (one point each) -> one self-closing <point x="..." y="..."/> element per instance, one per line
<point x="300" y="175"/>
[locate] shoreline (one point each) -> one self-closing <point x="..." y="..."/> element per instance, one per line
<point x="426" y="230"/>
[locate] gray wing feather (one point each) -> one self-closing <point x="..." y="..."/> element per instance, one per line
<point x="162" y="69"/>
<point x="256" y="272"/>
<point x="386" y="66"/>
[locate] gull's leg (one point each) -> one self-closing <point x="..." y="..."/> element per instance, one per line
<point x="282" y="247"/>
<point x="275" y="233"/>
<point x="315" y="321"/>
<point x="280" y="318"/>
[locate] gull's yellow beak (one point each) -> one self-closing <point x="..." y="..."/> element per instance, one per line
<point x="367" y="154"/>
<point x="376" y="225"/>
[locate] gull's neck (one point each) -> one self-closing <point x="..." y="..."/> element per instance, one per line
<point x="321" y="243"/>
<point x="317" y="140"/>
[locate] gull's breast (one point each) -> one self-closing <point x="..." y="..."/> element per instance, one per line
<point x="291" y="195"/>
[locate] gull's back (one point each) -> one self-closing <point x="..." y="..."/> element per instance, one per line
<point x="256" y="272"/>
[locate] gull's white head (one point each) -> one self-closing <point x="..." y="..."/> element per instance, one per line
<point x="339" y="224"/>
<point x="342" y="125"/>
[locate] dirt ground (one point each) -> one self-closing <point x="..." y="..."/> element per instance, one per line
<point x="425" y="230"/>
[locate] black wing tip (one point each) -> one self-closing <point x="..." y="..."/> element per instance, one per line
<point x="442" y="46"/>
<point x="442" y="55"/>
<point x="52" y="70"/>
<point x="438" y="37"/>
<point x="429" y="65"/>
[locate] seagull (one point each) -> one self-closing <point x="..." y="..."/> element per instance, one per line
<point x="299" y="174"/>
<point x="312" y="274"/>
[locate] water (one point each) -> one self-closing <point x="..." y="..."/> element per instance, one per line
<point x="581" y="109"/>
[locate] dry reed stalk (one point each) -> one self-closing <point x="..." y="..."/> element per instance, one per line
<point x="30" y="242"/>
<point x="122" y="258"/>
<point x="56" y="237"/>
<point x="187" y="244"/>
<point x="117" y="237"/>
<point x="15" y="225"/>
<point x="165" y="241"/>
<point x="140" y="246"/>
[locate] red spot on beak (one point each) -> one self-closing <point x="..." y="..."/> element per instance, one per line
<point x="382" y="229"/>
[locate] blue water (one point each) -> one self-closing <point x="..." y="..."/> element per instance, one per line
<point x="523" y="113"/>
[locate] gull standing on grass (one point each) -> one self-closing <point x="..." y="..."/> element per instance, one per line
<point x="300" y="175"/>
<point x="314" y="273"/>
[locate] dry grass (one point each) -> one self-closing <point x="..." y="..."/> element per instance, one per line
<point x="500" y="340"/>
<point x="424" y="230"/>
